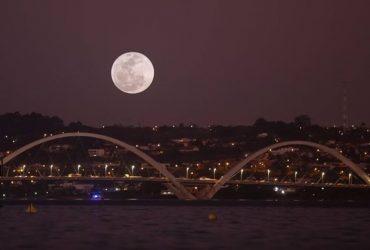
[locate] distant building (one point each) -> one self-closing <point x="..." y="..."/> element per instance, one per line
<point x="56" y="148"/>
<point x="262" y="135"/>
<point x="96" y="152"/>
<point x="184" y="141"/>
<point x="282" y="151"/>
<point x="190" y="149"/>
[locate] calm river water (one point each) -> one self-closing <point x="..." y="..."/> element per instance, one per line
<point x="184" y="227"/>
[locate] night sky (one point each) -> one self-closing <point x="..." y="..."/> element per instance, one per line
<point x="216" y="62"/>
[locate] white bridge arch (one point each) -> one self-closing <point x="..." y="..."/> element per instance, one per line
<point x="233" y="171"/>
<point x="175" y="186"/>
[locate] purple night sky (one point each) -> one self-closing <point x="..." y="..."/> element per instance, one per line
<point x="216" y="62"/>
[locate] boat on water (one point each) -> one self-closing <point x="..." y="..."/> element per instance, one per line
<point x="30" y="209"/>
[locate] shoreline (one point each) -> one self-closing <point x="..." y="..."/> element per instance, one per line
<point x="199" y="203"/>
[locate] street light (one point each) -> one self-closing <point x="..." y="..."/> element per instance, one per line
<point x="132" y="169"/>
<point x="349" y="178"/>
<point x="105" y="169"/>
<point x="295" y="176"/>
<point x="51" y="170"/>
<point x="214" y="173"/>
<point x="78" y="168"/>
<point x="187" y="173"/>
<point x="268" y="174"/>
<point x="322" y="176"/>
<point x="23" y="169"/>
<point x="241" y="174"/>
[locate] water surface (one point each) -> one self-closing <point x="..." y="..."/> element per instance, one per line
<point x="184" y="227"/>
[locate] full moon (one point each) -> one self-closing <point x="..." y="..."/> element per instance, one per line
<point x="132" y="72"/>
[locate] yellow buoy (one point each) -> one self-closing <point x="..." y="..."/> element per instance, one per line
<point x="212" y="216"/>
<point x="30" y="209"/>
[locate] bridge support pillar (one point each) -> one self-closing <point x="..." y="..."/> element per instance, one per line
<point x="203" y="193"/>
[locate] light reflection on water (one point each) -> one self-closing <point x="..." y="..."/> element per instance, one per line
<point x="183" y="227"/>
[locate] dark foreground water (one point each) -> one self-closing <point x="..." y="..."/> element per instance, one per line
<point x="184" y="227"/>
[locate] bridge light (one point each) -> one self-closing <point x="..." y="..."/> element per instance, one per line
<point x="78" y="168"/>
<point x="349" y="178"/>
<point x="51" y="170"/>
<point x="105" y="169"/>
<point x="295" y="176"/>
<point x="322" y="176"/>
<point x="268" y="174"/>
<point x="187" y="172"/>
<point x="214" y="173"/>
<point x="132" y="170"/>
<point x="241" y="174"/>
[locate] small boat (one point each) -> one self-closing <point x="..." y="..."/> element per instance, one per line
<point x="30" y="209"/>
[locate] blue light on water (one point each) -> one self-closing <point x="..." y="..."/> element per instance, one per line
<point x="96" y="196"/>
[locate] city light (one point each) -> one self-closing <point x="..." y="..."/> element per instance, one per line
<point x="268" y="174"/>
<point x="105" y="169"/>
<point x="214" y="173"/>
<point x="132" y="170"/>
<point x="78" y="168"/>
<point x="187" y="173"/>
<point x="241" y="175"/>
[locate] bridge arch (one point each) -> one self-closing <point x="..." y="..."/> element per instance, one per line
<point x="180" y="191"/>
<point x="233" y="171"/>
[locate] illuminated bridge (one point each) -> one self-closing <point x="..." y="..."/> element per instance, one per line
<point x="205" y="188"/>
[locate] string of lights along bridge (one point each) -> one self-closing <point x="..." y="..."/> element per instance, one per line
<point x="185" y="181"/>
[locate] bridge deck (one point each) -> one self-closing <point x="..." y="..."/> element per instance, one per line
<point x="185" y="181"/>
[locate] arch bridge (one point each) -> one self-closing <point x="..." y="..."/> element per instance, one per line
<point x="174" y="184"/>
<point x="234" y="170"/>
